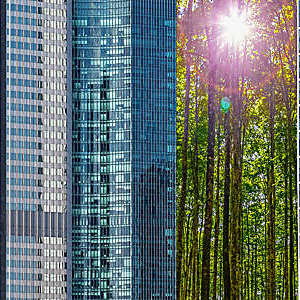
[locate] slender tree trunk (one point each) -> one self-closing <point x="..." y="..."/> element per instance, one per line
<point x="236" y="179"/>
<point x="195" y="268"/>
<point x="220" y="281"/>
<point x="242" y="251"/>
<point x="189" y="273"/>
<point x="199" y="243"/>
<point x="205" y="278"/>
<point x="252" y="271"/>
<point x="255" y="266"/>
<point x="197" y="297"/>
<point x="241" y="203"/>
<point x="286" y="231"/>
<point x="290" y="175"/>
<point x="182" y="199"/>
<point x="185" y="260"/>
<point x="266" y="236"/>
<point x="271" y="258"/>
<point x="226" y="264"/>
<point x="248" y="259"/>
<point x="195" y="216"/>
<point x="291" y="204"/>
<point x="249" y="279"/>
<point x="281" y="276"/>
<point x="295" y="216"/>
<point x="261" y="277"/>
<point x="217" y="222"/>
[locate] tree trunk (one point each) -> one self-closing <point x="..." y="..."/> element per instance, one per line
<point x="278" y="296"/>
<point x="271" y="258"/>
<point x="236" y="179"/>
<point x="199" y="244"/>
<point x="217" y="222"/>
<point x="236" y="176"/>
<point x="195" y="216"/>
<point x="248" y="259"/>
<point x="226" y="264"/>
<point x="255" y="266"/>
<point x="290" y="175"/>
<point x="252" y="271"/>
<point x="290" y="172"/>
<point x="182" y="199"/>
<point x="205" y="278"/>
<point x="185" y="266"/>
<point x="286" y="231"/>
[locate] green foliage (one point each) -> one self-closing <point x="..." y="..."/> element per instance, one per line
<point x="267" y="74"/>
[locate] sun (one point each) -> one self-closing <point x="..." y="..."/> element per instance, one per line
<point x="234" y="28"/>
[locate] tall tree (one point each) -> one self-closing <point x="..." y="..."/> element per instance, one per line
<point x="205" y="281"/>
<point x="217" y="219"/>
<point x="271" y="286"/>
<point x="183" y="196"/>
<point x="226" y="263"/>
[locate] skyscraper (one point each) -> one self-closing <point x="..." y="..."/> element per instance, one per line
<point x="88" y="141"/>
<point x="124" y="80"/>
<point x="33" y="149"/>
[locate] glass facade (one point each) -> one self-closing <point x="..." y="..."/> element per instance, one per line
<point x="35" y="148"/>
<point x="102" y="236"/>
<point x="123" y="154"/>
<point x="121" y="108"/>
<point x="153" y="148"/>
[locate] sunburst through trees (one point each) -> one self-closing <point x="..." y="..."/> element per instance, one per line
<point x="236" y="174"/>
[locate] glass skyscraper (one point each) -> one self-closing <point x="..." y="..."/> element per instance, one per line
<point x="87" y="145"/>
<point x="124" y="78"/>
<point x="33" y="149"/>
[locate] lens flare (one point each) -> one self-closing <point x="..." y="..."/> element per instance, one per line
<point x="234" y="28"/>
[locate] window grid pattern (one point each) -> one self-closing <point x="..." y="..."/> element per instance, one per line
<point x="124" y="112"/>
<point x="36" y="149"/>
<point x="101" y="242"/>
<point x="154" y="148"/>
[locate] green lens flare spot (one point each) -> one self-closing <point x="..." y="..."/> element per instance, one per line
<point x="225" y="104"/>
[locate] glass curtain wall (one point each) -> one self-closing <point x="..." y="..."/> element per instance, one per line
<point x="102" y="238"/>
<point x="35" y="149"/>
<point x="153" y="148"/>
<point x="124" y="113"/>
